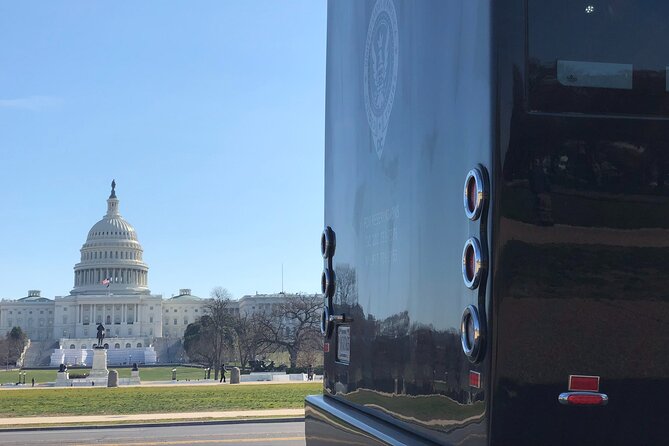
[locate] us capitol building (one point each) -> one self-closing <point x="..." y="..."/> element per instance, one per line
<point x="110" y="287"/>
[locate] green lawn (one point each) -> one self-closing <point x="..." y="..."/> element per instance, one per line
<point x="145" y="373"/>
<point x="130" y="400"/>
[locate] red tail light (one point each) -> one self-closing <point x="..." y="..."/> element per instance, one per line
<point x="583" y="399"/>
<point x="475" y="194"/>
<point x="472" y="263"/>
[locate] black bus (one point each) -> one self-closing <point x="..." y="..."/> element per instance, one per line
<point x="496" y="251"/>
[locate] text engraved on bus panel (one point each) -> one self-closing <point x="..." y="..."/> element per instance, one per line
<point x="379" y="235"/>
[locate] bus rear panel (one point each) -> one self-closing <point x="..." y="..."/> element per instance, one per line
<point x="497" y="223"/>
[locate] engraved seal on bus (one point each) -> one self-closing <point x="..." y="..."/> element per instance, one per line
<point x="380" y="77"/>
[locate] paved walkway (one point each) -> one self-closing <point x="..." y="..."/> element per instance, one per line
<point x="150" y="417"/>
<point x="209" y="382"/>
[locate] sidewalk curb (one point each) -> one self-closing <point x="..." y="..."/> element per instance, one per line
<point x="151" y="424"/>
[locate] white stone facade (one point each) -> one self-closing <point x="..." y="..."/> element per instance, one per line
<point x="111" y="287"/>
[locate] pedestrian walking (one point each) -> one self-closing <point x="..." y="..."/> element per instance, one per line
<point x="222" y="374"/>
<point x="33" y="382"/>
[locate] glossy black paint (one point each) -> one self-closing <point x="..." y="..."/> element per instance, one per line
<point x="581" y="254"/>
<point x="577" y="232"/>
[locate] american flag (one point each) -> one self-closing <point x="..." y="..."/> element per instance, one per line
<point x="106" y="281"/>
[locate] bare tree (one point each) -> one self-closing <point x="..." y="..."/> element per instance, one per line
<point x="248" y="342"/>
<point x="347" y="288"/>
<point x="292" y="325"/>
<point x="12" y="346"/>
<point x="212" y="335"/>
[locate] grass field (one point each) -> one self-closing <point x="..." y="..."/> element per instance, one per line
<point x="145" y="373"/>
<point x="131" y="400"/>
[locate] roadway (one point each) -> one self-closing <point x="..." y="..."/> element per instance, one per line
<point x="245" y="433"/>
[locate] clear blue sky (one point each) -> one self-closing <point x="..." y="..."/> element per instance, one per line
<point x="209" y="115"/>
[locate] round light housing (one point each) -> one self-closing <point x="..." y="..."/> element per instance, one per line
<point x="328" y="283"/>
<point x="475" y="194"/>
<point x="473" y="263"/>
<point x="328" y="243"/>
<point x="325" y="322"/>
<point x="470" y="333"/>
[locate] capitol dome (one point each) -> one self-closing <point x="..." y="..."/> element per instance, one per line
<point x="111" y="258"/>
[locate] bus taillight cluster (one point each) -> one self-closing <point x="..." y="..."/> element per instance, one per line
<point x="474" y="262"/>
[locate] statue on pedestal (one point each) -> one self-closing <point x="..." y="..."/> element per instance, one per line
<point x="101" y="335"/>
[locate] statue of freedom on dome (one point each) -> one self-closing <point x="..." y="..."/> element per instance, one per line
<point x="113" y="192"/>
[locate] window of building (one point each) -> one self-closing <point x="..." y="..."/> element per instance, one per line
<point x="9" y="322"/>
<point x="175" y="321"/>
<point x="196" y="310"/>
<point x="85" y="331"/>
<point x="151" y="319"/>
<point x="41" y="312"/>
<point x="127" y="345"/>
<point x="175" y="310"/>
<point x="83" y="346"/>
<point x="117" y="345"/>
<point x="151" y="308"/>
<point x="167" y="322"/>
<point x="185" y="321"/>
<point x="41" y="322"/>
<point x="129" y="331"/>
<point x="72" y="347"/>
<point x="139" y="345"/>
